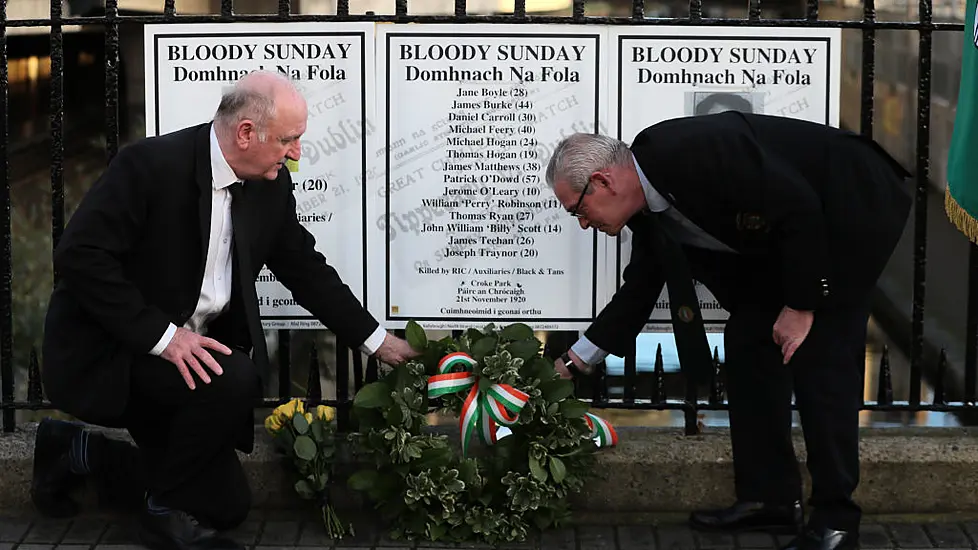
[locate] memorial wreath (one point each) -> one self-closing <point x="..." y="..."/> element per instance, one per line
<point x="494" y="380"/>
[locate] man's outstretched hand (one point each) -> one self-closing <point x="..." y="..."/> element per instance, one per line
<point x="395" y="351"/>
<point x="564" y="372"/>
<point x="187" y="349"/>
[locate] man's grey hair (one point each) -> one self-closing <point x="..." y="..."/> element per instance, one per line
<point x="251" y="98"/>
<point x="579" y="155"/>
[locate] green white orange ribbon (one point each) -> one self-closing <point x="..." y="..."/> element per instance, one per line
<point x="602" y="430"/>
<point x="500" y="404"/>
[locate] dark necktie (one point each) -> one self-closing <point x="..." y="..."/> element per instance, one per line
<point x="687" y="321"/>
<point x="240" y="224"/>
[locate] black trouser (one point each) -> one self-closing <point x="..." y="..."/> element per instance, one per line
<point x="186" y="455"/>
<point x="826" y="376"/>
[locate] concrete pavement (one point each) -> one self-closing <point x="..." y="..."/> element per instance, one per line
<point x="284" y="531"/>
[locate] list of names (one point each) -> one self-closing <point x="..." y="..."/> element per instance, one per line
<point x="481" y="235"/>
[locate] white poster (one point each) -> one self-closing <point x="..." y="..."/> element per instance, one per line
<point x="188" y="67"/>
<point x="466" y="230"/>
<point x="669" y="72"/>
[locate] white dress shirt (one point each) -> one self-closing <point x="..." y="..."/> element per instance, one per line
<point x="687" y="232"/>
<point x="215" y="291"/>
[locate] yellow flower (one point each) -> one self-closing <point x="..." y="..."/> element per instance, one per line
<point x="289" y="409"/>
<point x="273" y="423"/>
<point x="308" y="418"/>
<point x="327" y="414"/>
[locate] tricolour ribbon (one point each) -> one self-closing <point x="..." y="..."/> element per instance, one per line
<point x="602" y="430"/>
<point x="500" y="404"/>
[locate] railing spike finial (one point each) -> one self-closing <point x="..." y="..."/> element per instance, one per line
<point x="884" y="390"/>
<point x="35" y="391"/>
<point x="659" y="377"/>
<point x="716" y="383"/>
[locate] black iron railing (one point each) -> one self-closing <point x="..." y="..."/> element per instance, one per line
<point x="352" y="369"/>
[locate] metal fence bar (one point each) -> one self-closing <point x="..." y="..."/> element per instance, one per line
<point x="6" y="317"/>
<point x="920" y="213"/>
<point x="631" y="374"/>
<point x="519" y="8"/>
<point x="868" y="79"/>
<point x="590" y="20"/>
<point x="343" y="382"/>
<point x="57" y="129"/>
<point x="284" y="363"/>
<point x="358" y="374"/>
<point x="971" y="327"/>
<point x="111" y="78"/>
<point x="754" y="10"/>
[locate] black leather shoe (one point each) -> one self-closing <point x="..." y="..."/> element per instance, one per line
<point x="52" y="477"/>
<point x="177" y="530"/>
<point x="751" y="516"/>
<point x="824" y="539"/>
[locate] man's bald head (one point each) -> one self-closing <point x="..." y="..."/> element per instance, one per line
<point x="255" y="97"/>
<point x="259" y="124"/>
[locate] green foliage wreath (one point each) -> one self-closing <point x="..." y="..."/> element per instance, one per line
<point x="492" y="493"/>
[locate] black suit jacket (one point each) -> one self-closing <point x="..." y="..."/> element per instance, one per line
<point x="131" y="260"/>
<point x="813" y="211"/>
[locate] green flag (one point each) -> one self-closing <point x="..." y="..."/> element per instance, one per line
<point x="961" y="194"/>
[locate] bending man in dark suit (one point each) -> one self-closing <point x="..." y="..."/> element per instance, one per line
<point x="152" y="321"/>
<point x="789" y="225"/>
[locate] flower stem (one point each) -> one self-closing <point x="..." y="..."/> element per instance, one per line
<point x="334" y="527"/>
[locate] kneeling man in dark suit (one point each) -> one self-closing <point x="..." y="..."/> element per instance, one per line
<point x="154" y="324"/>
<point x="789" y="224"/>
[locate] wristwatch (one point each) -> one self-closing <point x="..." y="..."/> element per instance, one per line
<point x="570" y="366"/>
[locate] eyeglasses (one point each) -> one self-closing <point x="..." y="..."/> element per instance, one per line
<point x="574" y="211"/>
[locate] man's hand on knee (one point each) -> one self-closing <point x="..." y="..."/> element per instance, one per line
<point x="187" y="349"/>
<point x="791" y="329"/>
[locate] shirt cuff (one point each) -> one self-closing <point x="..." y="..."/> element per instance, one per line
<point x="165" y="340"/>
<point x="588" y="352"/>
<point x="373" y="342"/>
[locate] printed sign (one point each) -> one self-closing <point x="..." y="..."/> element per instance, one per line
<point x="669" y="72"/>
<point x="469" y="231"/>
